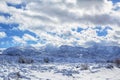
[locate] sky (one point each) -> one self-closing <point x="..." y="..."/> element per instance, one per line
<point x="59" y="22"/>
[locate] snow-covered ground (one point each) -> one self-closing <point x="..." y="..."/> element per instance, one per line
<point x="11" y="69"/>
<point x="24" y="63"/>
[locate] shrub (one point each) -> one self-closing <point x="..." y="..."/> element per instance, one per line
<point x="117" y="62"/>
<point x="109" y="61"/>
<point x="46" y="60"/>
<point x="109" y="66"/>
<point x="84" y="67"/>
<point x="77" y="66"/>
<point x="25" y="60"/>
<point x="13" y="76"/>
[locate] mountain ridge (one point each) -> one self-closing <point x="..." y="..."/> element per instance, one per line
<point x="96" y="52"/>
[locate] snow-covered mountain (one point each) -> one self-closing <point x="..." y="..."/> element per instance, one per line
<point x="21" y="50"/>
<point x="95" y="52"/>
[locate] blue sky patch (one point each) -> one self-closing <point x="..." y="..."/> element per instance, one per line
<point x="31" y="42"/>
<point x="8" y="29"/>
<point x="6" y="15"/>
<point x="114" y="1"/>
<point x="8" y="26"/>
<point x="18" y="6"/>
<point x="102" y="32"/>
<point x="6" y="42"/>
<point x="79" y="29"/>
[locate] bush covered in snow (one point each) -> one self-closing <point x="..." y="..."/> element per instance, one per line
<point x="46" y="60"/>
<point x="84" y="67"/>
<point x="14" y="76"/>
<point x="109" y="66"/>
<point x="117" y="62"/>
<point x="25" y="60"/>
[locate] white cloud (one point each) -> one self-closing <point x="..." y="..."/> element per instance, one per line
<point x="4" y="7"/>
<point x="59" y="16"/>
<point x="24" y="39"/>
<point x="18" y="40"/>
<point x="2" y="34"/>
<point x="28" y="37"/>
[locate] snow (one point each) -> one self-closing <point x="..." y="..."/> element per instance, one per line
<point x="56" y="71"/>
<point x="21" y="50"/>
<point x="62" y="63"/>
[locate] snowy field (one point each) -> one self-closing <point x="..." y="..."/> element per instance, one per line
<point x="12" y="69"/>
<point x="64" y="63"/>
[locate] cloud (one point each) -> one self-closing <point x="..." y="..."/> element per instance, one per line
<point x="17" y="40"/>
<point x="28" y="37"/>
<point x="23" y="39"/>
<point x="104" y="19"/>
<point x="3" y="34"/>
<point x="52" y="20"/>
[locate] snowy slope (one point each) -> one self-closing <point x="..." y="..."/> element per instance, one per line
<point x="98" y="53"/>
<point x="21" y="50"/>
